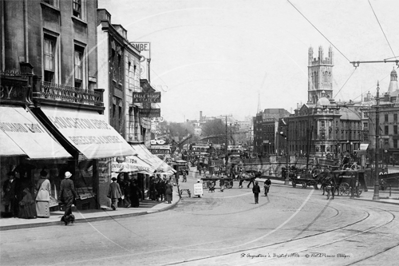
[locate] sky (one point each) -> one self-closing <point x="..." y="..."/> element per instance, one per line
<point x="235" y="57"/>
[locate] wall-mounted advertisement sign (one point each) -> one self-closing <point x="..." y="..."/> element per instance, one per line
<point x="142" y="97"/>
<point x="153" y="112"/>
<point x="145" y="52"/>
<point x="144" y="48"/>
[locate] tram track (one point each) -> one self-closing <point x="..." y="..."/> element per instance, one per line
<point x="235" y="253"/>
<point x="271" y="245"/>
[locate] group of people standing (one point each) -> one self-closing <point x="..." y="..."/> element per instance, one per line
<point x="125" y="190"/>
<point x="161" y="189"/>
<point x="19" y="201"/>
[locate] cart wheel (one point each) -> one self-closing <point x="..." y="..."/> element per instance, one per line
<point x="344" y="189"/>
<point x="304" y="185"/>
<point x="293" y="184"/>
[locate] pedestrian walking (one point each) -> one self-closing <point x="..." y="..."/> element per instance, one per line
<point x="114" y="193"/>
<point x="256" y="191"/>
<point x="68" y="196"/>
<point x="168" y="192"/>
<point x="267" y="185"/>
<point x="42" y="198"/>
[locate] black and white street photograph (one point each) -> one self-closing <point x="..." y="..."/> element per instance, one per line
<point x="199" y="132"/>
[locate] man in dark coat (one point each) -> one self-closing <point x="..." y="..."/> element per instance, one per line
<point x="10" y="195"/>
<point x="68" y="196"/>
<point x="256" y="191"/>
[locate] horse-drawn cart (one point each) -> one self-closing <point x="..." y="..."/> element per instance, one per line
<point x="303" y="178"/>
<point x="349" y="182"/>
<point x="211" y="181"/>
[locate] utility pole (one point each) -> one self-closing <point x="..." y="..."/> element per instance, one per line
<point x="225" y="147"/>
<point x="376" y="195"/>
<point x="287" y="177"/>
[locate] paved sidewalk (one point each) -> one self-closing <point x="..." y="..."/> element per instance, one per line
<point x="146" y="207"/>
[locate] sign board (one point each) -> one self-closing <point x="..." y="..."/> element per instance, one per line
<point x="157" y="141"/>
<point x="103" y="169"/>
<point x="13" y="90"/>
<point x="150" y="112"/>
<point x="198" y="190"/>
<point x="145" y="52"/>
<point x="142" y="97"/>
<point x="144" y="48"/>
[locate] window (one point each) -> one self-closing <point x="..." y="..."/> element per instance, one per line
<point x="386" y="130"/>
<point x="49" y="59"/>
<point x="395" y="117"/>
<point x="395" y="129"/>
<point x="395" y="143"/>
<point x="77" y="8"/>
<point x="51" y="2"/>
<point x="79" y="66"/>
<point x="386" y="117"/>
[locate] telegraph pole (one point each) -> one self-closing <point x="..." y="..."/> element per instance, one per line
<point x="376" y="195"/>
<point x="225" y="146"/>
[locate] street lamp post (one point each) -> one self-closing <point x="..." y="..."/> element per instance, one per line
<point x="376" y="195"/>
<point x="287" y="176"/>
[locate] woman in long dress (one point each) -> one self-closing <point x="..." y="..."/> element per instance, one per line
<point x="43" y="196"/>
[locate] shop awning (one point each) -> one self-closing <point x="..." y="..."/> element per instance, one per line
<point x="22" y="134"/>
<point x="131" y="164"/>
<point x="153" y="160"/>
<point x="88" y="132"/>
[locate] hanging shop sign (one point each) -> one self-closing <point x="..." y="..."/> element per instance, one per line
<point x="145" y="123"/>
<point x="142" y="97"/>
<point x="150" y="112"/>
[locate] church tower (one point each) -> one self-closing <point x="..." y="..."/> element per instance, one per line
<point x="320" y="77"/>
